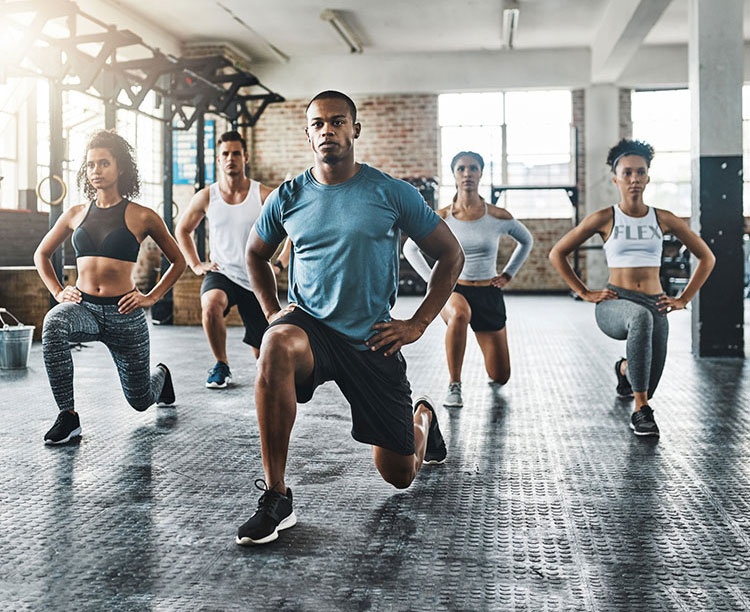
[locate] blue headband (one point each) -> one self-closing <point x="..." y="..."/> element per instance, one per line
<point x="614" y="163"/>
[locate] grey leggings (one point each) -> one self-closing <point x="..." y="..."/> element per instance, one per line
<point x="634" y="317"/>
<point x="125" y="335"/>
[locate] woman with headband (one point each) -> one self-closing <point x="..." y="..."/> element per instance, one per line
<point x="477" y="299"/>
<point x="633" y="306"/>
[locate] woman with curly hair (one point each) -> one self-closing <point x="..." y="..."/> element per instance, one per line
<point x="633" y="306"/>
<point x="104" y="305"/>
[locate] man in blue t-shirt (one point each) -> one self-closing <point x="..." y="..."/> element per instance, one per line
<point x="344" y="220"/>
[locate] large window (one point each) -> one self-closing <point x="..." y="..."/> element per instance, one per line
<point x="525" y="138"/>
<point x="662" y="118"/>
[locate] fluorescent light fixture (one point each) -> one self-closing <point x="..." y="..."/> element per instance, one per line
<point x="511" y="13"/>
<point x="336" y="19"/>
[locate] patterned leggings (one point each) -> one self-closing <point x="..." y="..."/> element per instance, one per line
<point x="125" y="335"/>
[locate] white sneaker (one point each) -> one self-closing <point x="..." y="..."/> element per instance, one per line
<point x="454" y="399"/>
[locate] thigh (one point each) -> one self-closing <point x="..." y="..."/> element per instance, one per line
<point x="217" y="291"/>
<point x="613" y="316"/>
<point x="494" y="347"/>
<point x="74" y="320"/>
<point x="487" y="309"/>
<point x="379" y="394"/>
<point x="456" y="306"/>
<point x="311" y="346"/>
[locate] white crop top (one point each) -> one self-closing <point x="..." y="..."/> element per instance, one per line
<point x="229" y="226"/>
<point x="635" y="242"/>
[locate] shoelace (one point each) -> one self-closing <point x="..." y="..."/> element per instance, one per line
<point x="270" y="498"/>
<point x="454" y="388"/>
<point x="219" y="367"/>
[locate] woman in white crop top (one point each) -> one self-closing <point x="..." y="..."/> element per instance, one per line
<point x="477" y="299"/>
<point x="633" y="306"/>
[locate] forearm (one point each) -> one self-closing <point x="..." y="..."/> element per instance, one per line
<point x="47" y="273"/>
<point x="702" y="271"/>
<point x="520" y="234"/>
<point x="263" y="282"/>
<point x="442" y="281"/>
<point x="414" y="256"/>
<point x="560" y="262"/>
<point x="166" y="282"/>
<point x="185" y="240"/>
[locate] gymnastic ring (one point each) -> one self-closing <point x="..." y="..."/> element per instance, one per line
<point x="51" y="178"/>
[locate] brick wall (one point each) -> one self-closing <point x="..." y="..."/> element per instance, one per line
<point x="536" y="274"/>
<point x="400" y="135"/>
<point x="21" y="231"/>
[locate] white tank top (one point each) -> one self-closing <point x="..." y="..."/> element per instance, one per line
<point x="635" y="242"/>
<point x="229" y="226"/>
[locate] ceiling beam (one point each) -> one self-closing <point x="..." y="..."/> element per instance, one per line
<point x="625" y="25"/>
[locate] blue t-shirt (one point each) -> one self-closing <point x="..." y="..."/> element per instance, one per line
<point x="343" y="269"/>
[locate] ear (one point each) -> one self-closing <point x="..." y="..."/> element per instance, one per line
<point x="307" y="133"/>
<point x="357" y="129"/>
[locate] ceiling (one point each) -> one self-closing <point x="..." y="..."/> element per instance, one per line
<point x="393" y="26"/>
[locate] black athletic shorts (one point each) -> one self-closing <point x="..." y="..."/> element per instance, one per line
<point x="247" y="305"/>
<point x="374" y="385"/>
<point x="487" y="307"/>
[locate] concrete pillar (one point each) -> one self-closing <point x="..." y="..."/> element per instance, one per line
<point x="716" y="55"/>
<point x="602" y="127"/>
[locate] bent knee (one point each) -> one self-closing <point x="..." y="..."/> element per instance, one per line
<point x="281" y="348"/>
<point x="460" y="316"/>
<point x="138" y="404"/>
<point x="501" y="379"/>
<point x="400" y="479"/>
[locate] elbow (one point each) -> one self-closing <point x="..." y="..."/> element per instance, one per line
<point x="179" y="263"/>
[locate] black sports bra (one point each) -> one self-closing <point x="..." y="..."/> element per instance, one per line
<point x="103" y="233"/>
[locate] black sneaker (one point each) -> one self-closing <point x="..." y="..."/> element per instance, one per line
<point x="66" y="427"/>
<point x="642" y="422"/>
<point x="166" y="397"/>
<point x="436" y="451"/>
<point x="623" y="384"/>
<point x="274" y="513"/>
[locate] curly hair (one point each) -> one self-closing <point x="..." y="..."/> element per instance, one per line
<point x="128" y="183"/>
<point x="630" y="147"/>
<point x="461" y="154"/>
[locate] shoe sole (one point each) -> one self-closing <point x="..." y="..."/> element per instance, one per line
<point x="434" y="461"/>
<point x="454" y="405"/>
<point x="73" y="434"/>
<point x="289" y="521"/>
<point x="625" y="395"/>
<point x="218" y="385"/>
<point x="166" y="404"/>
<point x="643" y="433"/>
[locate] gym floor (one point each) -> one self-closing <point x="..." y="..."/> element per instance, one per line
<point x="547" y="500"/>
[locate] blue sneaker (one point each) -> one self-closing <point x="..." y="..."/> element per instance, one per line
<point x="219" y="376"/>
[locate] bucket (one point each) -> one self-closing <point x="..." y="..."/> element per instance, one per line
<point x="15" y="343"/>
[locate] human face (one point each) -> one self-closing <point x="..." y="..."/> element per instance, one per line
<point x="631" y="175"/>
<point x="232" y="158"/>
<point x="101" y="168"/>
<point x="331" y="130"/>
<point x="467" y="173"/>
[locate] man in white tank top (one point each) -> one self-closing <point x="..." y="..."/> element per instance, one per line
<point x="231" y="206"/>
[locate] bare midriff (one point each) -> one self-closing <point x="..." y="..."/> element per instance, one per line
<point x="104" y="277"/>
<point x="475" y="283"/>
<point x="644" y="280"/>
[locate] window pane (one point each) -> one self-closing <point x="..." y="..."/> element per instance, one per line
<point x="471" y="109"/>
<point x="538" y="204"/>
<point x="662" y="118"/>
